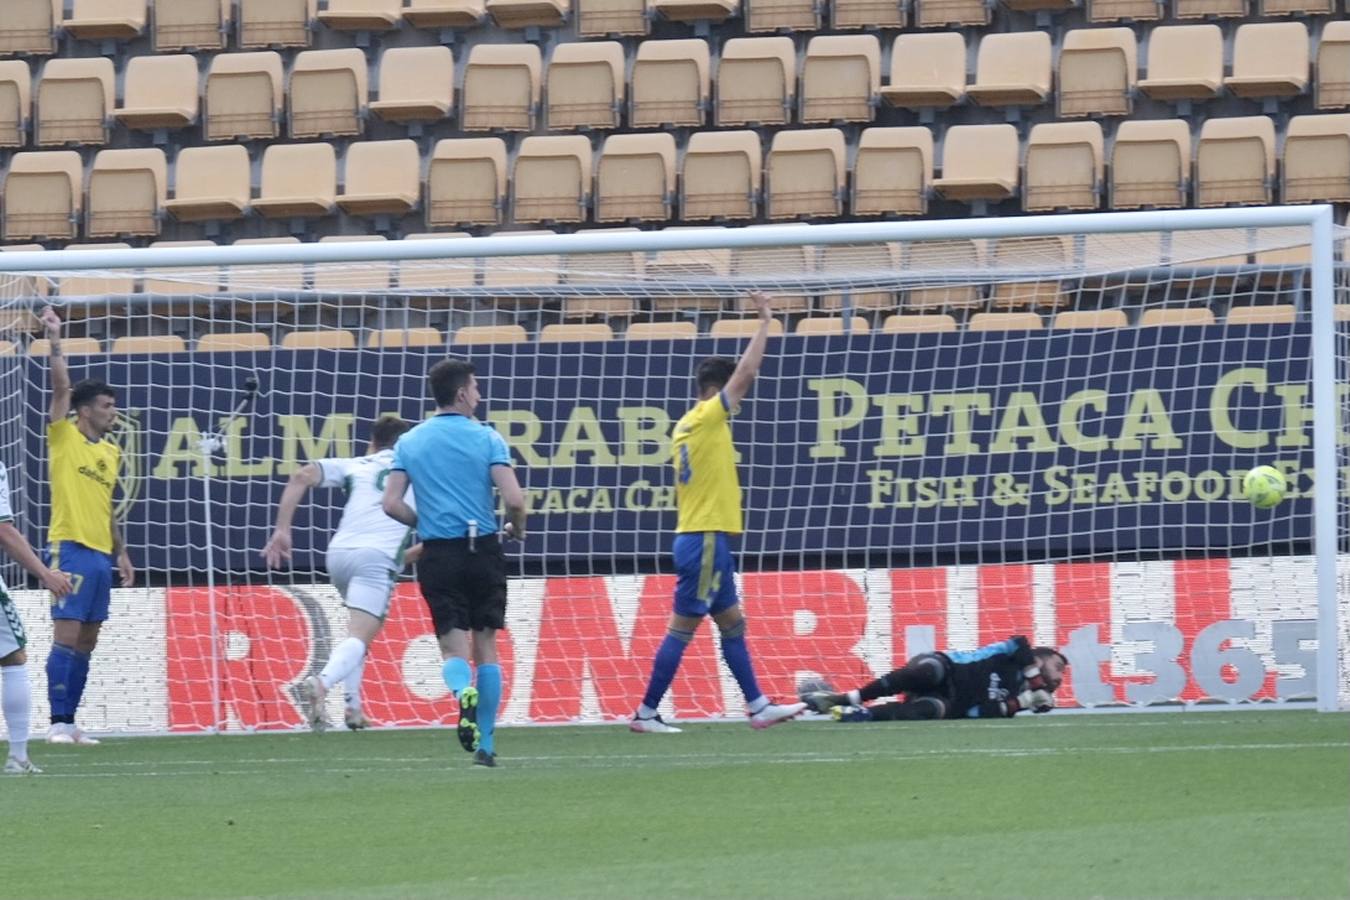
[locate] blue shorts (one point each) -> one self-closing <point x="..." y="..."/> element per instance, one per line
<point x="91" y="576"/>
<point x="705" y="573"/>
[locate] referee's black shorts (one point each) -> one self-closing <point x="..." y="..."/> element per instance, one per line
<point x="464" y="588"/>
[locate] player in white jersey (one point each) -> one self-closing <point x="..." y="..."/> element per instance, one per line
<point x="15" y="695"/>
<point x="365" y="556"/>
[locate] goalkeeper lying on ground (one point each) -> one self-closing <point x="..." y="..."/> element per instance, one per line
<point x="995" y="681"/>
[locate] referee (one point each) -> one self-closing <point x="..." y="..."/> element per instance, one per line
<point x="452" y="461"/>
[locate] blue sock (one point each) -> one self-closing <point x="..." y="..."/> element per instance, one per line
<point x="457" y="674"/>
<point x="737" y="655"/>
<point x="664" y="667"/>
<point x="60" y="662"/>
<point x="489" y="698"/>
<point x="79" y="676"/>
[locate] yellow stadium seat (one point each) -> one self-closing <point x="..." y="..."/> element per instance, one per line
<point x="232" y="342"/>
<point x="150" y="343"/>
<point x="328" y="339"/>
<point x="405" y="337"/>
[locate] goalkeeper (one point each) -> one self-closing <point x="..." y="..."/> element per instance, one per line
<point x="996" y="681"/>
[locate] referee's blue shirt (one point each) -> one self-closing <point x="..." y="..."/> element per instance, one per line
<point x="449" y="460"/>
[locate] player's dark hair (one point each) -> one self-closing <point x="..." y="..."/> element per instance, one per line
<point x="386" y="430"/>
<point x="1047" y="652"/>
<point x="447" y="377"/>
<point x="714" y="372"/>
<point x="88" y="390"/>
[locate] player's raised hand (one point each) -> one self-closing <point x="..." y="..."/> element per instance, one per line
<point x="57" y="582"/>
<point x="763" y="304"/>
<point x="52" y="322"/>
<point x="278" y="549"/>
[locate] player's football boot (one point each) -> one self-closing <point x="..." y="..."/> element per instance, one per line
<point x="485" y="759"/>
<point x="651" y="725"/>
<point x="61" y="733"/>
<point x="467" y="729"/>
<point x="355" y="719"/>
<point x="823" y="701"/>
<point x="21" y="767"/>
<point x="775" y="713"/>
<point x="312" y="695"/>
<point x="851" y="714"/>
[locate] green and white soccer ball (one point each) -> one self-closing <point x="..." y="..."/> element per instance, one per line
<point x="1264" y="486"/>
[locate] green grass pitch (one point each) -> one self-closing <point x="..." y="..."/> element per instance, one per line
<point x="1218" y="804"/>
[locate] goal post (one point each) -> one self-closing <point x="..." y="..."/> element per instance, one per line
<point x="965" y="429"/>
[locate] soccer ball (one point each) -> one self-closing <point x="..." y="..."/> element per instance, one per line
<point x="1264" y="486"/>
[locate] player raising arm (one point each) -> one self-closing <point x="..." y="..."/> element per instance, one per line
<point x="365" y="556"/>
<point x="453" y="462"/>
<point x="15" y="696"/>
<point x="995" y="681"/>
<point x="708" y="498"/>
<point x="83" y="536"/>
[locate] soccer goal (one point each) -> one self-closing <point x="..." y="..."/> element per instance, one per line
<point x="963" y="430"/>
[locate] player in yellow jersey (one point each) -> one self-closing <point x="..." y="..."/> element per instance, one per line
<point x="83" y="537"/>
<point x="708" y="497"/>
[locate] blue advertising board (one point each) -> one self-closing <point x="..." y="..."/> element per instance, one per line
<point x="878" y="449"/>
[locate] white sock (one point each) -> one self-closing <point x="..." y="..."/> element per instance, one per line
<point x="645" y="712"/>
<point x="855" y="698"/>
<point x="757" y="705"/>
<point x="352" y="685"/>
<point x="346" y="656"/>
<point x="17" y="702"/>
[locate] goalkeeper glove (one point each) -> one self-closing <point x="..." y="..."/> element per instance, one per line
<point x="1038" y="701"/>
<point x="1034" y="679"/>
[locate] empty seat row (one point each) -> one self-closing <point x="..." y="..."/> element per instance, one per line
<point x="720" y="176"/>
<point x="244" y="95"/>
<point x="507" y="334"/>
<point x="32" y="27"/>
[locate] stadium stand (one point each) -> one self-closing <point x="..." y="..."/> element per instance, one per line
<point x="191" y="25"/>
<point x="670" y="84"/>
<point x="211" y="184"/>
<point x="721" y="175"/>
<point x="44" y="195"/>
<point x="175" y="122"/>
<point x="75" y="102"/>
<point x="327" y="94"/>
<point x="1097" y="68"/>
<point x="380" y="178"/>
<point x="927" y="70"/>
<point x="159" y="92"/>
<point x="416" y="84"/>
<point x="501" y="87"/>
<point x="16" y="102"/>
<point x="892" y="172"/>
<point x="635" y="178"/>
<point x="127" y="190"/>
<point x="466" y="182"/>
<point x="96" y="20"/>
<point x="244" y="96"/>
<point x="756" y="82"/>
<point x="29" y="27"/>
<point x="275" y="23"/>
<point x="586" y="86"/>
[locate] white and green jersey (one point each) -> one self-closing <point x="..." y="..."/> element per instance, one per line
<point x="364" y="524"/>
<point x="12" y="635"/>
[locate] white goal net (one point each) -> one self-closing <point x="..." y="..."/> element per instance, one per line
<point x="959" y="434"/>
